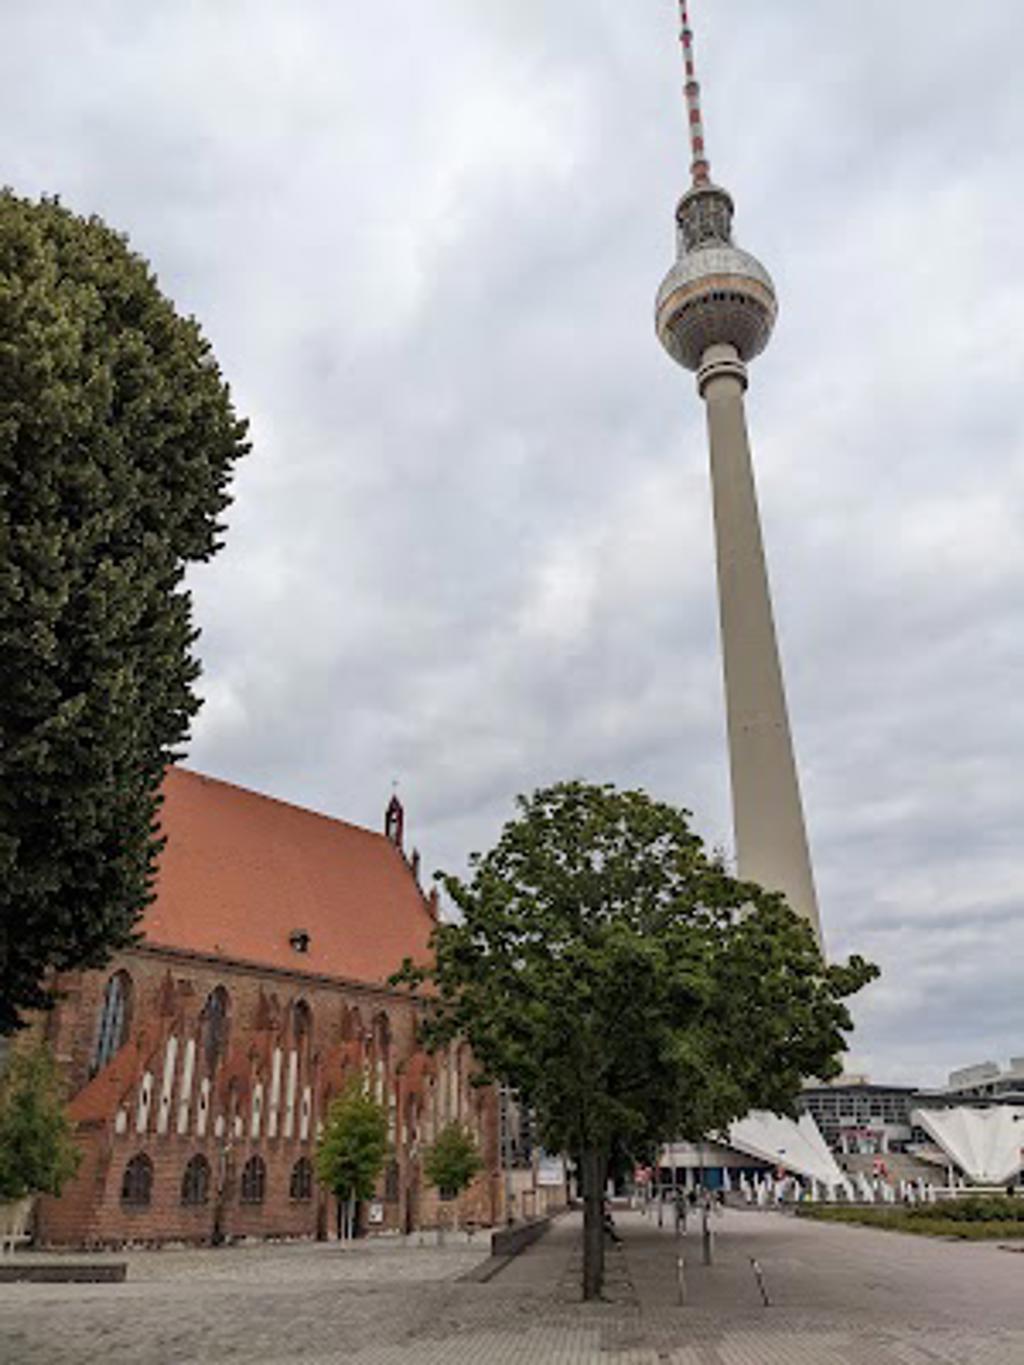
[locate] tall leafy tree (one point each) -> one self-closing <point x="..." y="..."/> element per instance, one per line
<point x="37" y="1151"/>
<point x="117" y="441"/>
<point x="625" y="985"/>
<point x="352" y="1149"/>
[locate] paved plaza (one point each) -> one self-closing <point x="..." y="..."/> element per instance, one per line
<point x="839" y="1296"/>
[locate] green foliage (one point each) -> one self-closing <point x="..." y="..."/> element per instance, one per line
<point x="623" y="983"/>
<point x="117" y="440"/>
<point x="453" y="1160"/>
<point x="37" y="1154"/>
<point x="974" y="1219"/>
<point x="353" y="1147"/>
<point x="974" y="1208"/>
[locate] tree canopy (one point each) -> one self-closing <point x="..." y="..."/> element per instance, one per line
<point x="452" y="1160"/>
<point x="625" y="985"/>
<point x="37" y="1153"/>
<point x="117" y="441"/>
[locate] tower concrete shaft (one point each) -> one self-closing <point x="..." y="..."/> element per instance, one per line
<point x="771" y="840"/>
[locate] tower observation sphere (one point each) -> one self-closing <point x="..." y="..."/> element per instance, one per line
<point x="715" y="294"/>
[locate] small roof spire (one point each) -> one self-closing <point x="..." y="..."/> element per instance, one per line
<point x="394" y="818"/>
<point x="700" y="167"/>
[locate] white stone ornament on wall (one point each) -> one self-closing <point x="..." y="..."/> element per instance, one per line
<point x="187" y="1078"/>
<point x="167" y="1087"/>
<point x="145" y="1097"/>
<point x="275" y="1093"/>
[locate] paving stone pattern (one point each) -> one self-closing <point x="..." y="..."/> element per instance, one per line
<point x="840" y="1296"/>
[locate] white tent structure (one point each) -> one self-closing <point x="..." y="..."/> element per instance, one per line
<point x="796" y="1145"/>
<point x="984" y="1143"/>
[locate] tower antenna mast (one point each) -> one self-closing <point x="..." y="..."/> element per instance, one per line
<point x="700" y="168"/>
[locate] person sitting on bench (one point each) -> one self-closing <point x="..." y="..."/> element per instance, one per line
<point x="609" y="1222"/>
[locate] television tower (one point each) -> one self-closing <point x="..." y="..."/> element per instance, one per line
<point x="715" y="311"/>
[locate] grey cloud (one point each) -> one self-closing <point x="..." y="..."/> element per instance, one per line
<point x="472" y="547"/>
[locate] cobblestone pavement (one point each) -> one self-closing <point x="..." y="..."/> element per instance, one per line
<point x="839" y="1296"/>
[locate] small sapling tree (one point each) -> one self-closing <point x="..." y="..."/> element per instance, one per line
<point x="451" y="1164"/>
<point x="351" y="1152"/>
<point x="37" y="1153"/>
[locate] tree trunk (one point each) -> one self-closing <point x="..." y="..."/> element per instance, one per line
<point x="593" y="1165"/>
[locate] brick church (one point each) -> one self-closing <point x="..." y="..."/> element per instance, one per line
<point x="201" y="1062"/>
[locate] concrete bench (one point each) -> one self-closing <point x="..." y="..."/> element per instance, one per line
<point x="14" y="1219"/>
<point x="510" y="1241"/>
<point x="61" y="1272"/>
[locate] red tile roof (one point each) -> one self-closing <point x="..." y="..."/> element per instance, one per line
<point x="241" y="872"/>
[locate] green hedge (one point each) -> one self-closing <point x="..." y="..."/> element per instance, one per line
<point x="975" y="1218"/>
<point x="976" y="1208"/>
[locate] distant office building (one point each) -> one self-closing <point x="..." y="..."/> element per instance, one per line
<point x="757" y="1145"/>
<point x="986" y="1082"/>
<point x="966" y="1130"/>
<point x="855" y="1116"/>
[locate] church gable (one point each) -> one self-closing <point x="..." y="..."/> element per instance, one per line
<point x="255" y="880"/>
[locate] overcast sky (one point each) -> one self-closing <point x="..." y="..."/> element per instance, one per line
<point x="472" y="547"/>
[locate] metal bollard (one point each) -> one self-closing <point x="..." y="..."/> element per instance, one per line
<point x="681" y="1281"/>
<point x="759" y="1277"/>
<point x="705" y="1236"/>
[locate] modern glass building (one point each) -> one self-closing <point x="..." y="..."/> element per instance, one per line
<point x="855" y="1116"/>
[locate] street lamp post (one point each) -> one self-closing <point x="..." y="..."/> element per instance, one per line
<point x="504" y="1098"/>
<point x="217" y="1236"/>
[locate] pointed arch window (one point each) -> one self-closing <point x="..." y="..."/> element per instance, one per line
<point x="381" y="1045"/>
<point x="301" y="1184"/>
<point x="214" y="1027"/>
<point x="195" y="1183"/>
<point x="112" y="1028"/>
<point x="137" y="1182"/>
<point x="302" y="1024"/>
<point x="391" y="1182"/>
<point x="254" y="1181"/>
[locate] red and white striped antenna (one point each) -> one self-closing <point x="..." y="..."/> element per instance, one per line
<point x="700" y="167"/>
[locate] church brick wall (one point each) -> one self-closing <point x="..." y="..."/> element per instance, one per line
<point x="174" y="1088"/>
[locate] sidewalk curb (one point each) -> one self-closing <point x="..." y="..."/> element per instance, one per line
<point x="486" y="1270"/>
<point x="513" y="1241"/>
